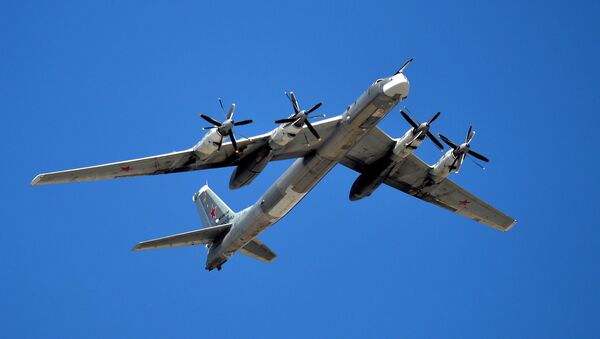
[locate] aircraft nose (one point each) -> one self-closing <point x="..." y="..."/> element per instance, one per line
<point x="398" y="85"/>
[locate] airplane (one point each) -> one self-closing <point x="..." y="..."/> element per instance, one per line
<point x="351" y="139"/>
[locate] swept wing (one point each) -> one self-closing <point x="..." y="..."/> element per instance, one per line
<point x="410" y="174"/>
<point x="184" y="161"/>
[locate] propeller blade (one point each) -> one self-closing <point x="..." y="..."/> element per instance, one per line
<point x="403" y="68"/>
<point x="233" y="142"/>
<point x="312" y="129"/>
<point x="285" y="121"/>
<point x="221" y="103"/>
<point x="210" y="127"/>
<point x="318" y="116"/>
<point x="468" y="138"/>
<point x="435" y="141"/>
<point x="243" y="122"/>
<point x="220" y="143"/>
<point x="447" y="141"/>
<point x="478" y="164"/>
<point x="453" y="163"/>
<point x="462" y="158"/>
<point x="478" y="156"/>
<point x="471" y="137"/>
<point x="409" y="119"/>
<point x="453" y="167"/>
<point x="434" y="117"/>
<point x="211" y="120"/>
<point x="230" y="113"/>
<point x="312" y="109"/>
<point x="413" y="139"/>
<point x="294" y="102"/>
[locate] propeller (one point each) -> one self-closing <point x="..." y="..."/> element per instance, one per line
<point x="225" y="128"/>
<point x="461" y="151"/>
<point x="300" y="117"/>
<point x="420" y="129"/>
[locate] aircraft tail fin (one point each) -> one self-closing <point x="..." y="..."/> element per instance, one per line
<point x="259" y="251"/>
<point x="213" y="211"/>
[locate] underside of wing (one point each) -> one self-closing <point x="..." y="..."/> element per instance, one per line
<point x="164" y="163"/>
<point x="187" y="160"/>
<point x="410" y="175"/>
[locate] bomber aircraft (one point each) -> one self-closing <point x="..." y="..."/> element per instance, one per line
<point x="352" y="139"/>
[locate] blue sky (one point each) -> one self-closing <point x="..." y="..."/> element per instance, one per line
<point x="88" y="83"/>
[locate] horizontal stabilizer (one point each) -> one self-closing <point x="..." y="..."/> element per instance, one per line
<point x="202" y="236"/>
<point x="259" y="251"/>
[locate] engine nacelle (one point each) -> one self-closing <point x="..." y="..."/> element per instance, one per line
<point x="250" y="167"/>
<point x="445" y="166"/>
<point x="364" y="186"/>
<point x="282" y="135"/>
<point x="208" y="145"/>
<point x="370" y="178"/>
<point x="402" y="149"/>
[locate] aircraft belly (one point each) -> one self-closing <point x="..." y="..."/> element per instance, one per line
<point x="293" y="185"/>
<point x="305" y="173"/>
<point x="286" y="203"/>
<point x="250" y="223"/>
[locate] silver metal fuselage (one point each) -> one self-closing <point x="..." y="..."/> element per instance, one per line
<point x="357" y="120"/>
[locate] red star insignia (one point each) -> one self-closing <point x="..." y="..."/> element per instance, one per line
<point x="212" y="213"/>
<point x="464" y="202"/>
<point x="125" y="169"/>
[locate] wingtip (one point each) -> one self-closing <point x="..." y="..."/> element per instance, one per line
<point x="507" y="228"/>
<point x="36" y="180"/>
<point x="136" y="248"/>
<point x="203" y="188"/>
<point x="511" y="225"/>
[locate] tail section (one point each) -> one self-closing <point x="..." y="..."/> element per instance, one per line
<point x="213" y="211"/>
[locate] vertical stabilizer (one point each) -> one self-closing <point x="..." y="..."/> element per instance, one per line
<point x="213" y="211"/>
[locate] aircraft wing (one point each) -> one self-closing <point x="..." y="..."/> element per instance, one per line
<point x="184" y="161"/>
<point x="163" y="163"/>
<point x="409" y="175"/>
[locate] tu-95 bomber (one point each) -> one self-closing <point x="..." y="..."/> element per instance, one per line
<point x="351" y="139"/>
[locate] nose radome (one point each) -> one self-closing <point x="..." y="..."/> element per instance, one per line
<point x="399" y="85"/>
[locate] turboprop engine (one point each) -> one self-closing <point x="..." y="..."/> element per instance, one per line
<point x="213" y="140"/>
<point x="255" y="161"/>
<point x="453" y="159"/>
<point x="292" y="125"/>
<point x="377" y="172"/>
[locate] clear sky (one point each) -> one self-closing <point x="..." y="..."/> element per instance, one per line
<point x="84" y="84"/>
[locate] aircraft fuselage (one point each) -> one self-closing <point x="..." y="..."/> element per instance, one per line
<point x="357" y="120"/>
